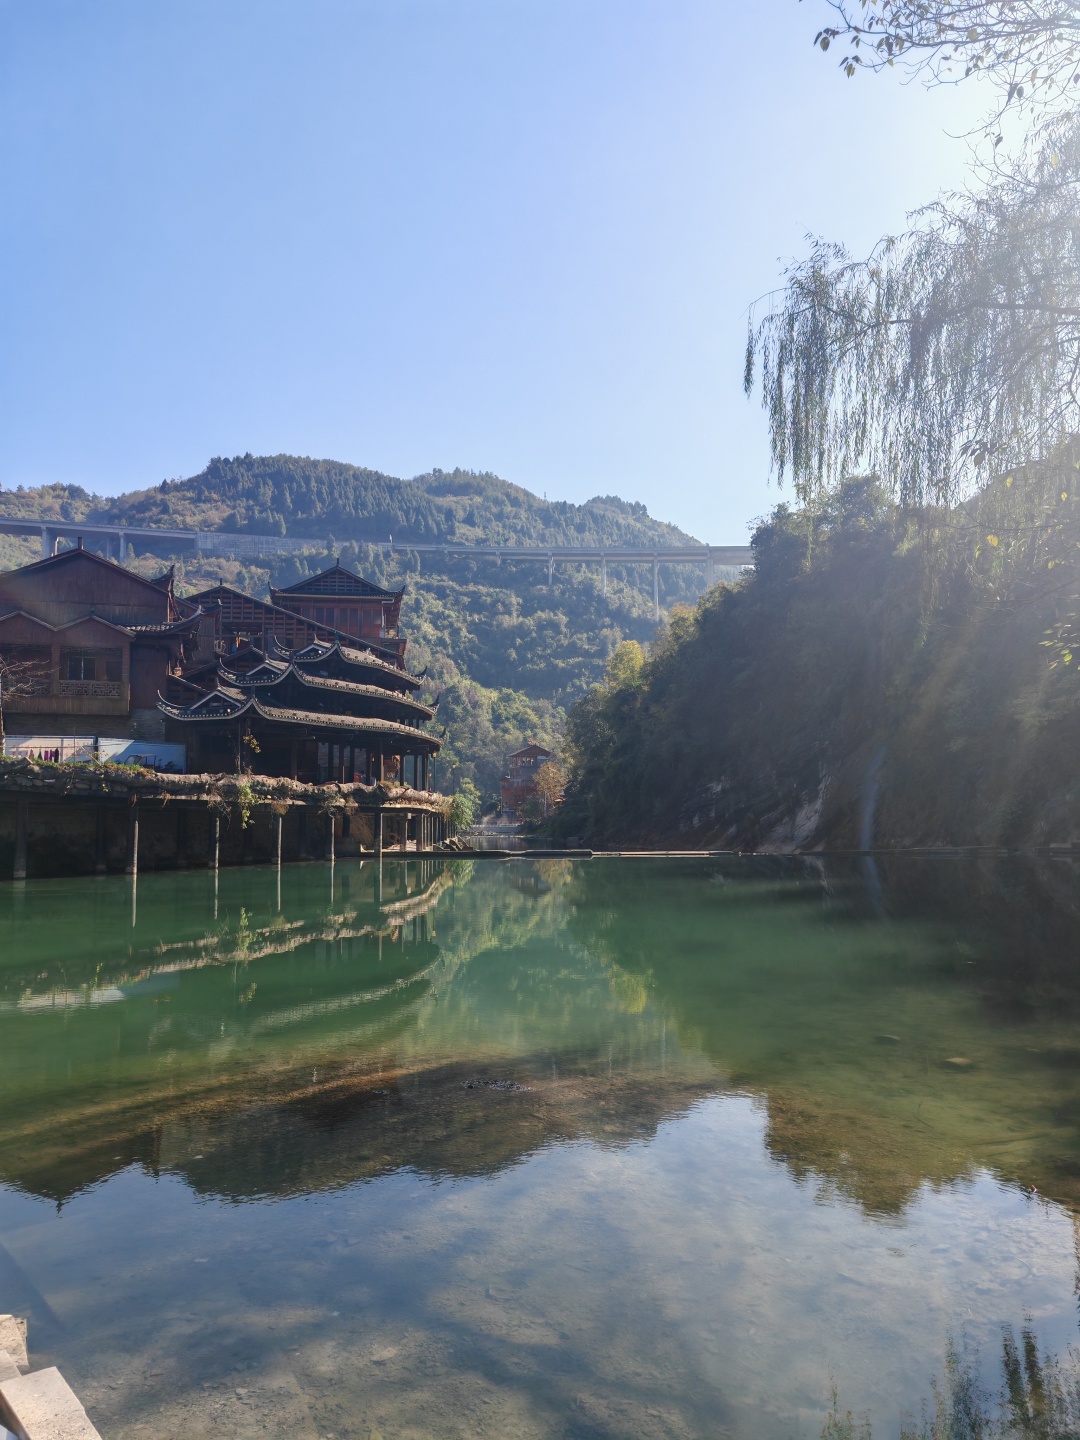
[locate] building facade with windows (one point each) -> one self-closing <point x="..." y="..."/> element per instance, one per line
<point x="519" y="782"/>
<point x="86" y="646"/>
<point x="220" y="682"/>
<point x="342" y="602"/>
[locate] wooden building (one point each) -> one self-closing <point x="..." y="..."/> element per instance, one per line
<point x="339" y="601"/>
<point x="324" y="712"/>
<point x="519" y="783"/>
<point x="87" y="646"/>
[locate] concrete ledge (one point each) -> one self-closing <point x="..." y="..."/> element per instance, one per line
<point x="8" y="1370"/>
<point x="43" y="1406"/>
<point x="13" y="1340"/>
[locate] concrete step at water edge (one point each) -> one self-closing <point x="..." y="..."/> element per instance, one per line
<point x="43" y="1406"/>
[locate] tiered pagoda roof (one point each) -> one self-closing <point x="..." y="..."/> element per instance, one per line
<point x="297" y="698"/>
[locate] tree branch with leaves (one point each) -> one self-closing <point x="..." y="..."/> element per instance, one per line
<point x="1029" y="49"/>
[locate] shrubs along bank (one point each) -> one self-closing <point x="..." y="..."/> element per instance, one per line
<point x="883" y="678"/>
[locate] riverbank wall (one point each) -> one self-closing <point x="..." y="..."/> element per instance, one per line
<point x="81" y="819"/>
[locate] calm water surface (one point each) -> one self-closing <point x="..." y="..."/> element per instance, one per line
<point x="610" y="1148"/>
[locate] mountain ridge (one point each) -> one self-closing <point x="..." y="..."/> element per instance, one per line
<point x="331" y="499"/>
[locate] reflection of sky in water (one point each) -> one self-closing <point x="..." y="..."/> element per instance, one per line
<point x="645" y="1290"/>
<point x="622" y="1250"/>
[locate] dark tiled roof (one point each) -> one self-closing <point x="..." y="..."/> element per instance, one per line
<point x="255" y="681"/>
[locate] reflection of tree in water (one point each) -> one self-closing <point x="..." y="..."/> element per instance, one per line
<point x="1038" y="1399"/>
<point x="898" y="1044"/>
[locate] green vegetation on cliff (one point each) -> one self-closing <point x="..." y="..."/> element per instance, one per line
<point x="884" y="676"/>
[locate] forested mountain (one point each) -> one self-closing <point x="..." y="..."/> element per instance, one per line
<point x="506" y="652"/>
<point x="279" y="494"/>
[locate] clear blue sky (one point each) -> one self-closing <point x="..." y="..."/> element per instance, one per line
<point x="511" y="235"/>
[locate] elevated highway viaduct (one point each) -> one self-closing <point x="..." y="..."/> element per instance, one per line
<point x="113" y="540"/>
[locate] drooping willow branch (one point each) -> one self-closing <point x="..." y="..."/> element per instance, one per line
<point x="953" y="346"/>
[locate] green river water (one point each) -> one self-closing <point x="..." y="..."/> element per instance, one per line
<point x="529" y="1148"/>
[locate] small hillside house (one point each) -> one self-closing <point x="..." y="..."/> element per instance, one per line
<point x="519" y="783"/>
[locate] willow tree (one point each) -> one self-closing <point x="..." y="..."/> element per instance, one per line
<point x="952" y="350"/>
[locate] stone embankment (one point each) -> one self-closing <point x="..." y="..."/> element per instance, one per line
<point x="79" y="818"/>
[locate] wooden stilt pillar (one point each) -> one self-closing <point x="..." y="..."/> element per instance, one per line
<point x="132" y="865"/>
<point x="378" y="834"/>
<point x="22" y="826"/>
<point x="279" y="821"/>
<point x="101" y="841"/>
<point x="405" y="833"/>
<point x="215" y="842"/>
<point x="330" y="838"/>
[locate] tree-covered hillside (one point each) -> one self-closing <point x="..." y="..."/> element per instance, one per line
<point x="279" y="494"/>
<point x="884" y="676"/>
<point x="506" y="652"/>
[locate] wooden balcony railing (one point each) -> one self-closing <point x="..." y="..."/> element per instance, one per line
<point x="93" y="689"/>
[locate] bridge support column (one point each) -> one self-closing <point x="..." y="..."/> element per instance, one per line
<point x="551" y="571"/>
<point x="656" y="589"/>
<point x="603" y="574"/>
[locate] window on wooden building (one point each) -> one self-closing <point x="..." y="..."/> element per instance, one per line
<point x="101" y="664"/>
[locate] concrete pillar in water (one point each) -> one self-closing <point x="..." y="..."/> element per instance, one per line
<point x="278" y="825"/>
<point x="330" y="838"/>
<point x="405" y="832"/>
<point x="132" y="865"/>
<point x="215" y="841"/>
<point x="22" y="826"/>
<point x="101" y="841"/>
